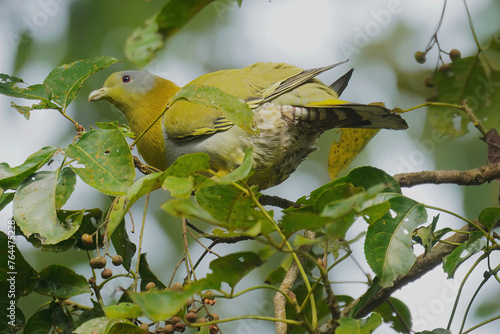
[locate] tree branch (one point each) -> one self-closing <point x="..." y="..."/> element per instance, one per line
<point x="471" y="177"/>
<point x="279" y="300"/>
<point x="423" y="264"/>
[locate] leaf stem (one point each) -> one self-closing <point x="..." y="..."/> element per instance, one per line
<point x="314" y="315"/>
<point x="462" y="284"/>
<point x="141" y="236"/>
<point x="257" y="317"/>
<point x="470" y="222"/>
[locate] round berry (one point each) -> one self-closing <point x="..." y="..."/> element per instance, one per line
<point x="215" y="316"/>
<point x="455" y="54"/>
<point x="87" y="240"/>
<point x="98" y="262"/>
<point x="428" y="82"/>
<point x="180" y="327"/>
<point x="106" y="273"/>
<point x="213" y="329"/>
<point x="445" y="68"/>
<point x="169" y="329"/>
<point x="420" y="57"/>
<point x="144" y="327"/>
<point x="117" y="260"/>
<point x="150" y="285"/>
<point x="175" y="319"/>
<point x="177" y="286"/>
<point x="209" y="294"/>
<point x="191" y="317"/>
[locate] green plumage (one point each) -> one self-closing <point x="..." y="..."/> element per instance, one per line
<point x="289" y="106"/>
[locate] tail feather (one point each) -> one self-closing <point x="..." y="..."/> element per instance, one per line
<point x="348" y="115"/>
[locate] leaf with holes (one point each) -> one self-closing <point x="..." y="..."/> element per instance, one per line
<point x="388" y="244"/>
<point x="64" y="82"/>
<point x="35" y="208"/>
<point x="108" y="162"/>
<point x="11" y="177"/>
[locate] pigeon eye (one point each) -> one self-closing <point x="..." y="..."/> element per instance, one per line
<point x="125" y="79"/>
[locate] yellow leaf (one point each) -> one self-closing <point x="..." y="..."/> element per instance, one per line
<point x="343" y="152"/>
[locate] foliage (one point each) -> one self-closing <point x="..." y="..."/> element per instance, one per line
<point x="311" y="235"/>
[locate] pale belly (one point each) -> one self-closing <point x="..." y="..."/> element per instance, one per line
<point x="279" y="147"/>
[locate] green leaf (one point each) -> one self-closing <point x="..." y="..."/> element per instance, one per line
<point x="9" y="86"/>
<point x="362" y="177"/>
<point x="68" y="217"/>
<point x="233" y="267"/>
<point x="475" y="79"/>
<point x="64" y="82"/>
<point x="359" y="326"/>
<point x="13" y="262"/>
<point x="66" y="182"/>
<point x="240" y="173"/>
<point x="388" y="244"/>
<point x="145" y="41"/>
<point x="125" y="129"/>
<point x="108" y="162"/>
<point x="474" y="244"/>
<point x="425" y="235"/>
<point x="161" y="305"/>
<point x="180" y="187"/>
<point x="89" y="314"/>
<point x="436" y="331"/>
<point x="298" y="220"/>
<point x="183" y="207"/>
<point x="147" y="274"/>
<point x="5" y="199"/>
<point x="366" y="297"/>
<point x="96" y="325"/>
<point x="35" y="210"/>
<point x="123" y="327"/>
<point x="123" y="246"/>
<point x="233" y="108"/>
<point x="59" y="281"/>
<point x="489" y="217"/>
<point x="39" y="323"/>
<point x="375" y="212"/>
<point x="395" y="314"/>
<point x="123" y="311"/>
<point x="10" y="178"/>
<point x="231" y="208"/>
<point x="184" y="166"/>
